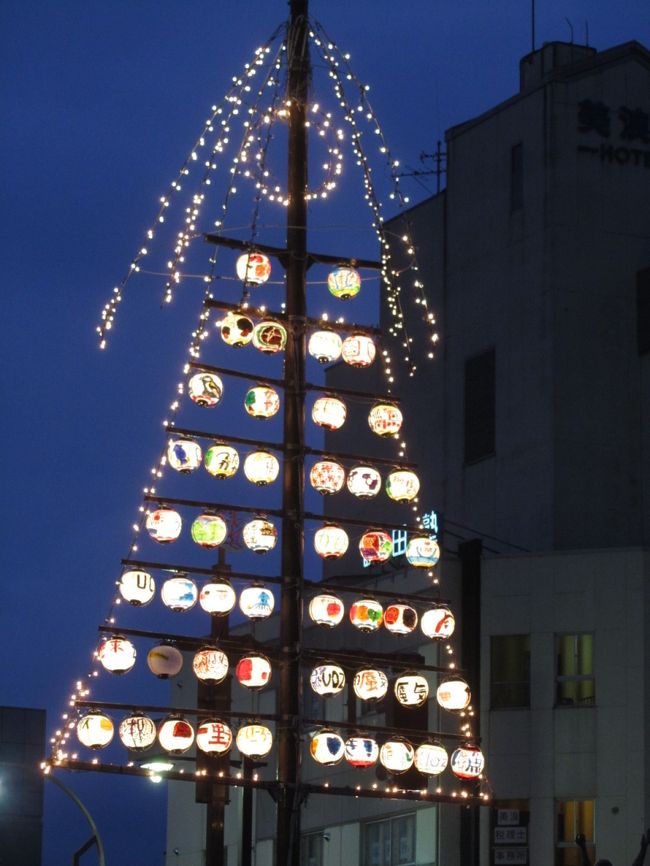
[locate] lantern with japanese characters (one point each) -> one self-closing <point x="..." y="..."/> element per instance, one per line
<point x="402" y="485"/>
<point x="358" y="350"/>
<point x="184" y="455"/>
<point x="256" y="602"/>
<point x="411" y="690"/>
<point x="205" y="389"/>
<point x="116" y="654"/>
<point x="210" y="665"/>
<point x="236" y="329"/>
<point x="397" y="755"/>
<point x="221" y="461"/>
<point x="253" y="671"/>
<point x="327" y="748"/>
<point x="364" y="482"/>
<point x="327" y="680"/>
<point x="370" y="684"/>
<point x="270" y="336"/>
<point x="453" y="694"/>
<point x="254" y="741"/>
<point x="366" y="614"/>
<point x="400" y="618"/>
<point x="261" y="467"/>
<point x="164" y="661"/>
<point x="95" y="730"/>
<point x="325" y="346"/>
<point x="137" y="587"/>
<point x="164" y="525"/>
<point x="431" y="759"/>
<point x="344" y="283"/>
<point x="327" y="476"/>
<point x="262" y="402"/>
<point x="438" y="622"/>
<point x="326" y="609"/>
<point x="422" y="551"/>
<point x="253" y="269"/>
<point x="217" y="597"/>
<point x="385" y="419"/>
<point x="179" y="593"/>
<point x="376" y="546"/>
<point x="467" y="762"/>
<point x="176" y="735"/>
<point x="331" y="541"/>
<point x="209" y="530"/>
<point x="137" y="732"/>
<point x="361" y="752"/>
<point x="260" y="535"/>
<point x="213" y="737"/>
<point x="329" y="412"/>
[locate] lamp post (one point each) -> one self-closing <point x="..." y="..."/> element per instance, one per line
<point x="95" y="839"/>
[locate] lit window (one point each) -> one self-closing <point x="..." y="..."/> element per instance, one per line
<point x="311" y="850"/>
<point x="390" y="842"/>
<point x="509" y="671"/>
<point x="575" y="686"/>
<point x="573" y="817"/>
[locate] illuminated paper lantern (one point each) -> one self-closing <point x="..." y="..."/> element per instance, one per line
<point x="164" y="661"/>
<point x="253" y="671"/>
<point x="270" y="336"/>
<point x="361" y="752"/>
<point x="205" y="389"/>
<point x="175" y="735"/>
<point x="467" y="762"/>
<point x="453" y="694"/>
<point x="411" y="690"/>
<point x="236" y="329"/>
<point x="325" y="346"/>
<point x="259" y="535"/>
<point x="137" y="732"/>
<point x="400" y="618"/>
<point x="179" y="593"/>
<point x="253" y="268"/>
<point x="164" y="525"/>
<point x="329" y="412"/>
<point x="422" y="551"/>
<point x="358" y="350"/>
<point x="327" y="476"/>
<point x="438" y="622"/>
<point x="344" y="283"/>
<point x="431" y="759"/>
<point x="397" y="755"/>
<point x="402" y="485"/>
<point x="331" y="541"/>
<point x="184" y="455"/>
<point x="214" y="737"/>
<point x="210" y="665"/>
<point x="116" y="654"/>
<point x="366" y="614"/>
<point x="385" y="419"/>
<point x="327" y="610"/>
<point x="262" y="402"/>
<point x="370" y="684"/>
<point x="327" y="748"/>
<point x="95" y="730"/>
<point x="327" y="680"/>
<point x="256" y="602"/>
<point x="364" y="482"/>
<point x="261" y="467"/>
<point x="221" y="461"/>
<point x="209" y="530"/>
<point x="254" y="741"/>
<point x="217" y="597"/>
<point x="376" y="546"/>
<point x="137" y="587"/>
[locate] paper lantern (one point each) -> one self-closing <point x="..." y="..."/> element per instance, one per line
<point x="213" y="737"/>
<point x="370" y="684"/>
<point x="116" y="654"/>
<point x="262" y="402"/>
<point x="137" y="732"/>
<point x="184" y="455"/>
<point x="397" y="755"/>
<point x="217" y="597"/>
<point x="438" y="622"/>
<point x="164" y="661"/>
<point x="175" y="735"/>
<point x="259" y="535"/>
<point x="179" y="593"/>
<point x="361" y="752"/>
<point x="385" y="419"/>
<point x="327" y="680"/>
<point x="366" y="614"/>
<point x="431" y="759"/>
<point x="137" y="587"/>
<point x="261" y="467"/>
<point x="364" y="482"/>
<point x="376" y="546"/>
<point x="344" y="283"/>
<point x="209" y="530"/>
<point x="453" y="694"/>
<point x="422" y="551"/>
<point x="467" y="762"/>
<point x="253" y="671"/>
<point x="358" y="350"/>
<point x="254" y="741"/>
<point x="329" y="412"/>
<point x="411" y="690"/>
<point x="325" y="346"/>
<point x="95" y="730"/>
<point x="210" y="665"/>
<point x="327" y="476"/>
<point x="327" y="748"/>
<point x="236" y="329"/>
<point x="164" y="525"/>
<point x="326" y="610"/>
<point x="205" y="389"/>
<point x="221" y="461"/>
<point x="270" y="336"/>
<point x="402" y="485"/>
<point x="256" y="602"/>
<point x="253" y="268"/>
<point x="400" y="618"/>
<point x="331" y="541"/>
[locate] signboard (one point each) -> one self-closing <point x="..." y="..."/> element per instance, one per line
<point x="430" y="521"/>
<point x="511" y="856"/>
<point x="510" y="835"/>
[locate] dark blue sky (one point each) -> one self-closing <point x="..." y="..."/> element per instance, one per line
<point x="100" y="103"/>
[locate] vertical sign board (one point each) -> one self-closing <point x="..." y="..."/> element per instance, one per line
<point x="510" y="837"/>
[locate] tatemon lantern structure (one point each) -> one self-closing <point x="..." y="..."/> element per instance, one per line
<point x="364" y="482"/>
<point x="116" y="654"/>
<point x="327" y="680"/>
<point x="270" y="336"/>
<point x="329" y="412"/>
<point x="262" y="402"/>
<point x="422" y="551"/>
<point x="176" y="735"/>
<point x="467" y="762"/>
<point x="361" y="752"/>
<point x="205" y="389"/>
<point x="256" y="602"/>
<point x="370" y="684"/>
<point x="431" y="759"/>
<point x="400" y="619"/>
<point x="164" y="525"/>
<point x="209" y="530"/>
<point x="397" y="755"/>
<point x="411" y="690"/>
<point x="210" y="665"/>
<point x="331" y="541"/>
<point x="253" y="671"/>
<point x="137" y="587"/>
<point x="179" y="593"/>
<point x="254" y="741"/>
<point x="164" y="661"/>
<point x="214" y="737"/>
<point x="221" y="461"/>
<point x="402" y="485"/>
<point x="358" y="350"/>
<point x="438" y="622"/>
<point x="95" y="730"/>
<point x="326" y="609"/>
<point x="260" y="535"/>
<point x="367" y="614"/>
<point x="325" y="346"/>
<point x="376" y="546"/>
<point x="218" y="597"/>
<point x="327" y="748"/>
<point x="327" y="476"/>
<point x="137" y="732"/>
<point x="253" y="269"/>
<point x="261" y="468"/>
<point x="344" y="283"/>
<point x="453" y="694"/>
<point x="184" y="455"/>
<point x="385" y="419"/>
<point x="236" y="329"/>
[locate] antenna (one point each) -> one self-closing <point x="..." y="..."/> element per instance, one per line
<point x="586" y="32"/>
<point x="570" y="28"/>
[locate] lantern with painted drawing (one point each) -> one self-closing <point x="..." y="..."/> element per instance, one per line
<point x="385" y="419"/>
<point x="361" y="752"/>
<point x="137" y="732"/>
<point x="116" y="654"/>
<point x="331" y="541"/>
<point x="253" y="268"/>
<point x="270" y="336"/>
<point x="179" y="593"/>
<point x="467" y="762"/>
<point x="261" y="467"/>
<point x="329" y="412"/>
<point x="175" y="735"/>
<point x="164" y="525"/>
<point x="262" y="402"/>
<point x="431" y="759"/>
<point x="205" y="389"/>
<point x="411" y="690"/>
<point x="184" y="455"/>
<point x="95" y="730"/>
<point x="254" y="741"/>
<point x="213" y="737"/>
<point x="366" y="614"/>
<point x="217" y="597"/>
<point x="422" y="551"/>
<point x="376" y="546"/>
<point x="327" y="680"/>
<point x="370" y="684"/>
<point x="344" y="283"/>
<point x="210" y="665"/>
<point x="327" y="747"/>
<point x="397" y="755"/>
<point x="260" y="535"/>
<point x="364" y="482"/>
<point x="236" y="329"/>
<point x="402" y="485"/>
<point x="326" y="609"/>
<point x="256" y="602"/>
<point x="164" y="661"/>
<point x="137" y="587"/>
<point x="453" y="694"/>
<point x="209" y="530"/>
<point x="253" y="671"/>
<point x="325" y="346"/>
<point x="400" y="618"/>
<point x="438" y="622"/>
<point x="327" y="476"/>
<point x="221" y="461"/>
<point x="358" y="350"/>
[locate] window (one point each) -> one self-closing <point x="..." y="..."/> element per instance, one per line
<point x="509" y="671"/>
<point x="517" y="177"/>
<point x="573" y="817"/>
<point x="479" y="406"/>
<point x="643" y="311"/>
<point x="390" y="842"/>
<point x="575" y="686"/>
<point x="311" y="850"/>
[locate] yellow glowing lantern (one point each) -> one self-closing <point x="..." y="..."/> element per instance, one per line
<point x="137" y="587"/>
<point x="256" y="602"/>
<point x="400" y="618"/>
<point x="422" y="551"/>
<point x="175" y="735"/>
<point x="95" y="730"/>
<point x="467" y="762"/>
<point x="376" y="546"/>
<point x="402" y="485"/>
<point x="270" y="336"/>
<point x="210" y="665"/>
<point x="262" y="402"/>
<point x="453" y="694"/>
<point x="361" y="752"/>
<point x="329" y="412"/>
<point x="164" y="525"/>
<point x="327" y="610"/>
<point x="253" y="268"/>
<point x="221" y="461"/>
<point x="366" y="614"/>
<point x="397" y="755"/>
<point x="358" y="350"/>
<point x="209" y="530"/>
<point x="364" y="482"/>
<point x="217" y="597"/>
<point x="236" y="329"/>
<point x="325" y="346"/>
<point x="327" y="748"/>
<point x="179" y="593"/>
<point x="331" y="541"/>
<point x="260" y="535"/>
<point x="164" y="661"/>
<point x="385" y="419"/>
<point x="214" y="737"/>
<point x="116" y="654"/>
<point x="261" y="467"/>
<point x="137" y="732"/>
<point x="254" y="741"/>
<point x="344" y="283"/>
<point x="327" y="680"/>
<point x="184" y="455"/>
<point x="370" y="684"/>
<point x="411" y="690"/>
<point x="438" y="622"/>
<point x="205" y="389"/>
<point x="327" y="476"/>
<point x="431" y="759"/>
<point x="253" y="671"/>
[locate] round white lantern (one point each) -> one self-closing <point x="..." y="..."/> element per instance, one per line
<point x="358" y="350"/>
<point x="179" y="593"/>
<point x="361" y="752"/>
<point x="326" y="610"/>
<point x="325" y="346"/>
<point x="184" y="455"/>
<point x="397" y="755"/>
<point x="467" y="762"/>
<point x="327" y="680"/>
<point x="253" y="268"/>
<point x="205" y="389"/>
<point x="270" y="336"/>
<point x="431" y="759"/>
<point x="366" y="614"/>
<point x="453" y="694"/>
<point x="175" y="735"/>
<point x="209" y="530"/>
<point x="164" y="525"/>
<point x="213" y="737"/>
<point x="400" y="618"/>
<point x="221" y="461"/>
<point x="370" y="684"/>
<point x="376" y="546"/>
<point x="137" y="587"/>
<point x="438" y="622"/>
<point x="344" y="283"/>
<point x="327" y="748"/>
<point x="164" y="661"/>
<point x="327" y="476"/>
<point x="402" y="485"/>
<point x="331" y="541"/>
<point x="236" y="329"/>
<point x="256" y="602"/>
<point x="95" y="730"/>
<point x="260" y="535"/>
<point x="261" y="468"/>
<point x="210" y="665"/>
<point x="411" y="690"/>
<point x="253" y="671"/>
<point x="364" y="482"/>
<point x="385" y="419"/>
<point x="422" y="551"/>
<point x="254" y="741"/>
<point x="217" y="597"/>
<point x="137" y="732"/>
<point x="262" y="402"/>
<point x="116" y="654"/>
<point x="329" y="412"/>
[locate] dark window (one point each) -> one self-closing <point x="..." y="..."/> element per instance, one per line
<point x="509" y="671"/>
<point x="311" y="850"/>
<point x="517" y="177"/>
<point x="390" y="842"/>
<point x="643" y="311"/>
<point x="575" y="686"/>
<point x="479" y="407"/>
